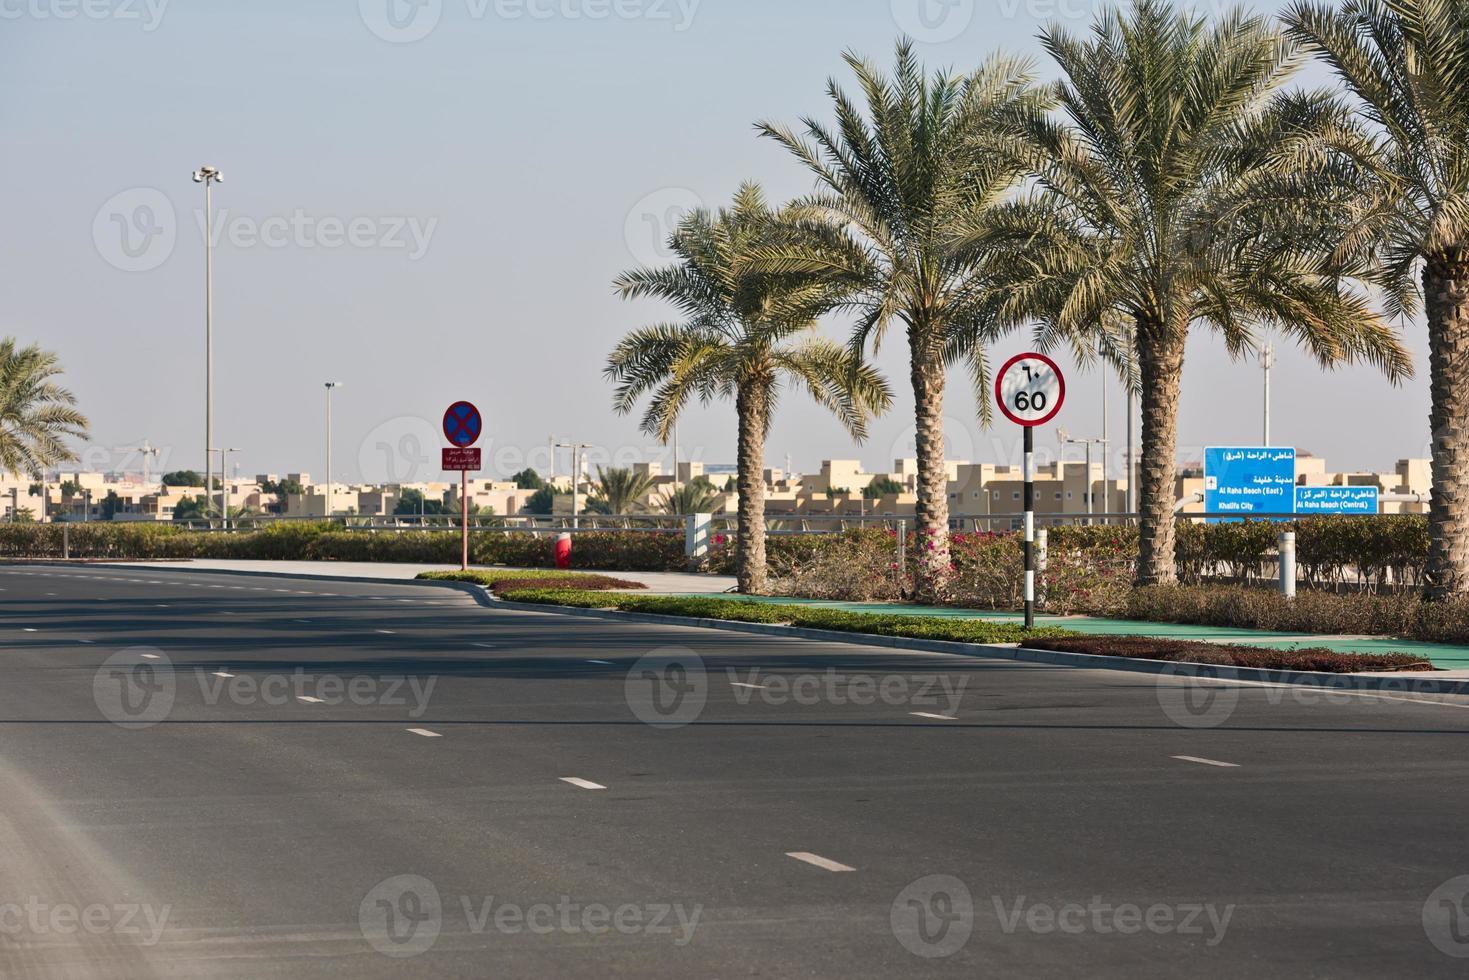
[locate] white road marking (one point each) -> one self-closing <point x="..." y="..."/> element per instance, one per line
<point x="604" y="663"/>
<point x="159" y="605"/>
<point x="84" y="641"/>
<point x="28" y="629"/>
<point x="388" y="632"/>
<point x="927" y="714"/>
<point x="308" y="699"/>
<point x="1205" y="762"/>
<point x="425" y="733"/>
<point x="150" y="656"/>
<point x="757" y="687"/>
<point x="483" y="646"/>
<point x="826" y="864"/>
<point x="582" y="783"/>
<point x="221" y="673"/>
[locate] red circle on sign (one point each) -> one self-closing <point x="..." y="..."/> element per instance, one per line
<point x="463" y="424"/>
<point x="1000" y="397"/>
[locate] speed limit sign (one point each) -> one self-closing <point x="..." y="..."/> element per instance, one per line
<point x="1030" y="389"/>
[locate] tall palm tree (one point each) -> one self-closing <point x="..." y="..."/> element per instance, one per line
<point x="1407" y="63"/>
<point x="619" y="489"/>
<point x="37" y="415"/>
<point x="899" y="173"/>
<point x="1180" y="189"/>
<point x="746" y="334"/>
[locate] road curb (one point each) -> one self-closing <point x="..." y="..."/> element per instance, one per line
<point x="1395" y="683"/>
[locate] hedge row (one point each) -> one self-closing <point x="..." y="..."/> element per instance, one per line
<point x="620" y="550"/>
<point x="1326" y="613"/>
<point x="510" y="580"/>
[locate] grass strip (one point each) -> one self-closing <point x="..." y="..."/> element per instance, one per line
<point x="740" y="611"/>
<point x="500" y="581"/>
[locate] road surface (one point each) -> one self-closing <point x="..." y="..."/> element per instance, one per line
<point x="224" y="775"/>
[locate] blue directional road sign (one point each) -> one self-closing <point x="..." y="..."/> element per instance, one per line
<point x="1337" y="500"/>
<point x="1249" y="480"/>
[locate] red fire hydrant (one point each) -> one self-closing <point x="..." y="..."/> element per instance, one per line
<point x="563" y="551"/>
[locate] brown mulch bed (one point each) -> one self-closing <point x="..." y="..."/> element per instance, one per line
<point x="1183" y="651"/>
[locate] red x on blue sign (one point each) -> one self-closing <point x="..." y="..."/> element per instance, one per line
<point x="462" y="424"/>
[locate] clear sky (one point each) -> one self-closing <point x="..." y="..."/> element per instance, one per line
<point x="427" y="200"/>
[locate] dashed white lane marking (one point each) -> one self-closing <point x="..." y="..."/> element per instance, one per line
<point x="1205" y="762"/>
<point x="160" y="605"/>
<point x="425" y="733"/>
<point x="50" y="593"/>
<point x="306" y="621"/>
<point x="387" y="632"/>
<point x="28" y="629"/>
<point x="308" y="699"/>
<point x="84" y="641"/>
<point x="150" y="656"/>
<point x="582" y="783"/>
<point x="929" y="714"/>
<point x="223" y="673"/>
<point x="826" y="864"/>
<point x="604" y="663"/>
<point x="483" y="646"/>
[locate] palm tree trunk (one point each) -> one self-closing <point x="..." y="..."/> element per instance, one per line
<point x="933" y="477"/>
<point x="1160" y="357"/>
<point x="750" y="405"/>
<point x="1446" y="296"/>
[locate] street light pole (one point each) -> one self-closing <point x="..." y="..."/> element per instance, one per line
<point x="330" y="387"/>
<point x="576" y="448"/>
<point x="1267" y="361"/>
<point x="208" y="176"/>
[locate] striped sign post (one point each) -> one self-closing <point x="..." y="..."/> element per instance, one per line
<point x="1030" y="391"/>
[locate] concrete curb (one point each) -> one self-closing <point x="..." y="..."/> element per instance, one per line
<point x="1384" y="683"/>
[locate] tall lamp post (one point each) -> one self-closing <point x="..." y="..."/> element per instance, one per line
<point x="208" y="176"/>
<point x="330" y="387"/>
<point x="1067" y="440"/>
<point x="224" y="478"/>
<point x="576" y="449"/>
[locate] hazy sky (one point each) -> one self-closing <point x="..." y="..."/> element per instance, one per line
<point x="428" y="201"/>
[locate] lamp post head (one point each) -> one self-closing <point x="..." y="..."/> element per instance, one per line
<point x="208" y="175"/>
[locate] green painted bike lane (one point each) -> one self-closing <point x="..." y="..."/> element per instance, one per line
<point x="1441" y="655"/>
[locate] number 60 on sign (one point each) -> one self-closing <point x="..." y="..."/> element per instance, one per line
<point x="1030" y="389"/>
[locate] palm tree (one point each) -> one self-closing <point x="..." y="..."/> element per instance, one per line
<point x="1181" y="190"/>
<point x="899" y="175"/>
<point x="746" y="334"/>
<point x="619" y="490"/>
<point x="690" y="498"/>
<point x="1407" y="63"/>
<point x="37" y="415"/>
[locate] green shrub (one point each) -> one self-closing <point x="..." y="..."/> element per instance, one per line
<point x="1322" y="613"/>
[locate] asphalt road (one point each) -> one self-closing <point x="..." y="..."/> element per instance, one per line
<point x="225" y="775"/>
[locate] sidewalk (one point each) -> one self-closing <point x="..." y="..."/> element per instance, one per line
<point x="664" y="583"/>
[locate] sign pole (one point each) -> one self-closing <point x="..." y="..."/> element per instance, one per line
<point x="464" y="520"/>
<point x="1029" y="527"/>
<point x="1030" y="391"/>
